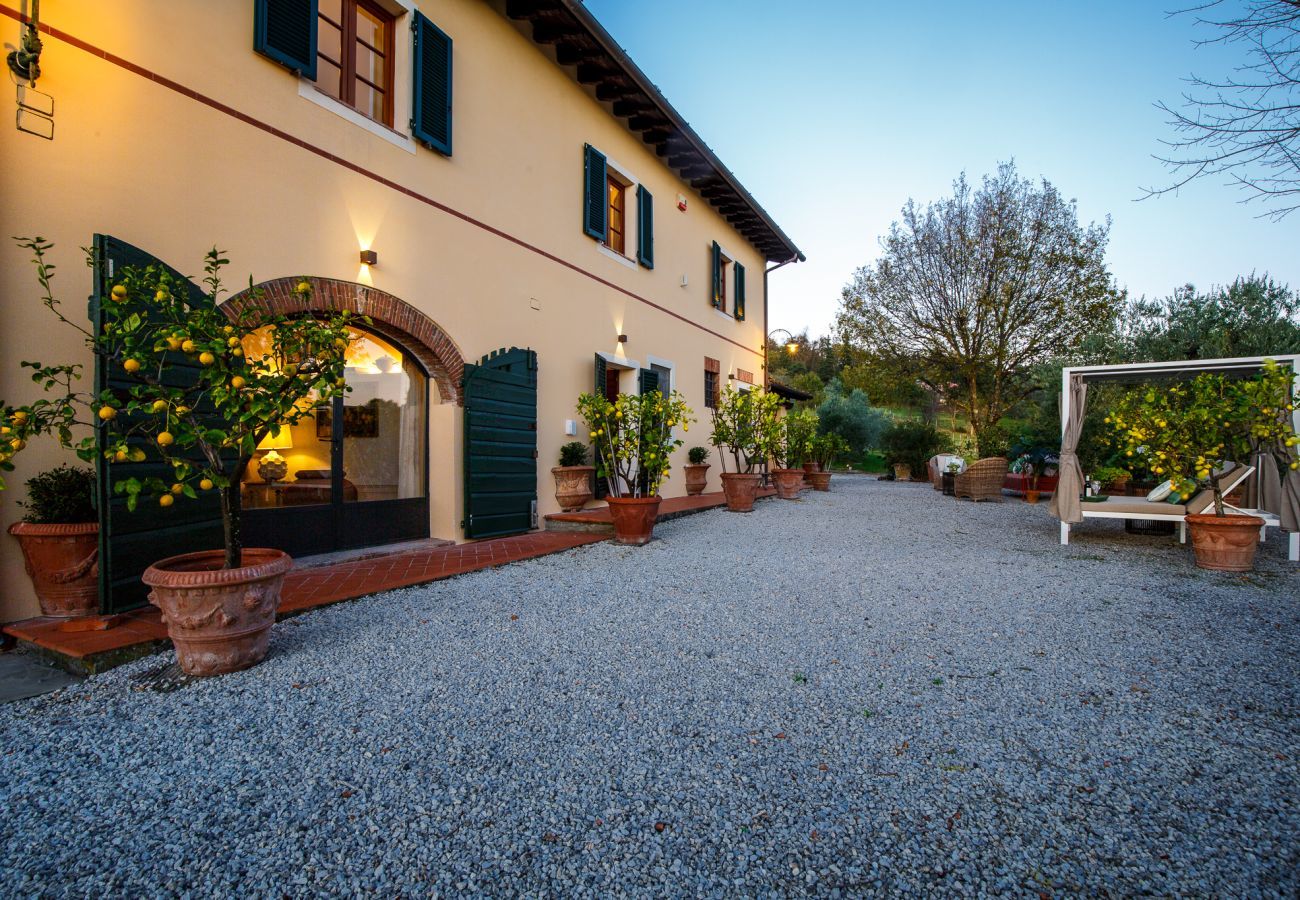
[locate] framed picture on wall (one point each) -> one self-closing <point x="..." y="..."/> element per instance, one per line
<point x="358" y="421"/>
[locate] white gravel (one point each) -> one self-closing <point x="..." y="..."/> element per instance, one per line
<point x="877" y="690"/>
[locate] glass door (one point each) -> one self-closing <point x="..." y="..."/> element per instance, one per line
<point x="353" y="473"/>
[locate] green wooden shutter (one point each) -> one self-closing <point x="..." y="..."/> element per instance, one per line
<point x="285" y="31"/>
<point x="717" y="276"/>
<point x="647" y="380"/>
<point x="645" y="230"/>
<point x="130" y="542"/>
<point x="431" y="99"/>
<point x="595" y="202"/>
<point x="739" y="301"/>
<point x="501" y="444"/>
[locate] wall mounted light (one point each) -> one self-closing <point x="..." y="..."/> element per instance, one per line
<point x="622" y="338"/>
<point x="369" y="258"/>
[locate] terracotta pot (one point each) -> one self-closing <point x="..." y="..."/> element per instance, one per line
<point x="902" y="472"/>
<point x="788" y="482"/>
<point x="63" y="562"/>
<point x="219" y="619"/>
<point x="1031" y="496"/>
<point x="1225" y="543"/>
<point x="740" y="491"/>
<point x="572" y="486"/>
<point x="810" y="467"/>
<point x="634" y="519"/>
<point x="697" y="477"/>
<point x="821" y="481"/>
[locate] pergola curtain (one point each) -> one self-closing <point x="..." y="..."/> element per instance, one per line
<point x="1066" y="505"/>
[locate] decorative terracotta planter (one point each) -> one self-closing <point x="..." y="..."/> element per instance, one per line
<point x="820" y="481"/>
<point x="697" y="476"/>
<point x="788" y="482"/>
<point x="902" y="472"/>
<point x="740" y="490"/>
<point x="1225" y="543"/>
<point x="1031" y="496"/>
<point x="634" y="519"/>
<point x="573" y="486"/>
<point x="810" y="468"/>
<point x="63" y="562"/>
<point x="219" y="619"/>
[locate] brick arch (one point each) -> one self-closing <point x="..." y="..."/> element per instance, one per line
<point x="392" y="318"/>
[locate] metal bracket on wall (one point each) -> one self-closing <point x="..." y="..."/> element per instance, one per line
<point x="35" y="112"/>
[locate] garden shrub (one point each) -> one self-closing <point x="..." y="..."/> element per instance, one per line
<point x="912" y="444"/>
<point x="852" y="417"/>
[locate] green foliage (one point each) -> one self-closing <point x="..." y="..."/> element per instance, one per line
<point x="636" y="439"/>
<point x="1109" y="474"/>
<point x="794" y="443"/>
<point x="851" y="415"/>
<point x="62" y="496"/>
<point x="206" y="432"/>
<point x="1253" y="316"/>
<point x="746" y="427"/>
<point x="574" y="453"/>
<point x="698" y="456"/>
<point x="1187" y="431"/>
<point x="993" y="440"/>
<point x="912" y="444"/>
<point x="826" y="448"/>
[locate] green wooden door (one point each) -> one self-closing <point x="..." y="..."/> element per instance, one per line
<point x="501" y="444"/>
<point x="129" y="542"/>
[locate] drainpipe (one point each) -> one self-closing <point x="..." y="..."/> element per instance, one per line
<point x="798" y="257"/>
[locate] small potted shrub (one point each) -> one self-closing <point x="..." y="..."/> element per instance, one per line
<point x="218" y="605"/>
<point x="825" y="448"/>
<point x="744" y="428"/>
<point x="636" y="439"/>
<point x="59" y="536"/>
<point x="1032" y="465"/>
<point x="1188" y="432"/>
<point x="573" y="477"/>
<point x="697" y="471"/>
<point x="1114" y="480"/>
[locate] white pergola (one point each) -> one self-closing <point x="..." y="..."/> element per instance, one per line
<point x="1138" y="373"/>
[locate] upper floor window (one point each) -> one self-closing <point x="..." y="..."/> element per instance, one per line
<point x="354" y="54"/>
<point x="615" y="233"/>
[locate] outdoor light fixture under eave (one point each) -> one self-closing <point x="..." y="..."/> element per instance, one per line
<point x="369" y="258"/>
<point x="622" y="338"/>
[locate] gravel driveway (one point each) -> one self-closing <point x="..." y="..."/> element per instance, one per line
<point x="878" y="689"/>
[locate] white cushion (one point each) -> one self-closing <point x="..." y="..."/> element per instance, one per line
<point x="1161" y="491"/>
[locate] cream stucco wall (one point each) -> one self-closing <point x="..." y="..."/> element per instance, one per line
<point x="173" y="175"/>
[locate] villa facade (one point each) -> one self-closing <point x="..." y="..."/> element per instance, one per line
<point x="494" y="183"/>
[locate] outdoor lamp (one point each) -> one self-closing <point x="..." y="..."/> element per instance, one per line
<point x="369" y="258"/>
<point x="272" y="466"/>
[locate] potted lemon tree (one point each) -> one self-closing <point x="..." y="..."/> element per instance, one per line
<point x="825" y="449"/>
<point x="219" y="605"/>
<point x="636" y="437"/>
<point x="1189" y="432"/>
<point x="791" y="448"/>
<point x="745" y="427"/>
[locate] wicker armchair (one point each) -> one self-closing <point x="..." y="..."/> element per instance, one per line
<point x="936" y="477"/>
<point x="982" y="480"/>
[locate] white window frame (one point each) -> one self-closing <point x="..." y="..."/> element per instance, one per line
<point x="631" y="215"/>
<point x="651" y="360"/>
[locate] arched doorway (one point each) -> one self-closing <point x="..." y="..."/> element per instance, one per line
<point x="354" y="472"/>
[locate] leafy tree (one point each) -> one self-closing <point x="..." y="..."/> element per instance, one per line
<point x="1254" y="316"/>
<point x="975" y="288"/>
<point x="851" y="415"/>
<point x="1246" y="125"/>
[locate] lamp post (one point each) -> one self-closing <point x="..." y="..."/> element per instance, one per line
<point x="791" y="347"/>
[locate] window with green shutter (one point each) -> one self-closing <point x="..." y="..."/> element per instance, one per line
<point x="431" y="98"/>
<point x="739" y="302"/>
<point x="285" y="31"/>
<point x="645" y="231"/>
<point x="595" y="202"/>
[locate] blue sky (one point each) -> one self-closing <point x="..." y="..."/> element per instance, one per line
<point x="833" y="113"/>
